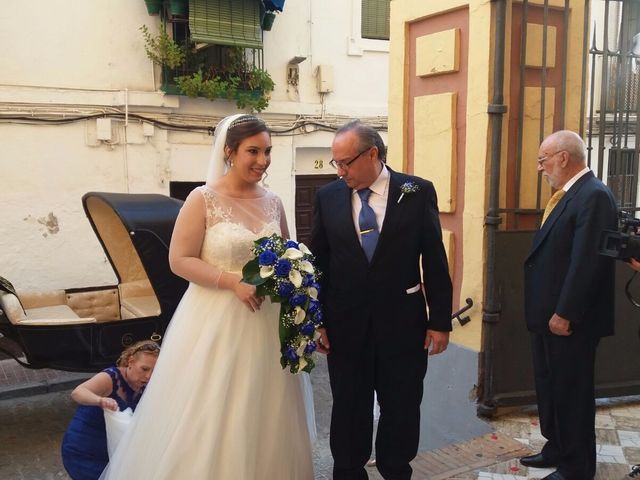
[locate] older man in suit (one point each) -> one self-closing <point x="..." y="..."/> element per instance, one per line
<point x="373" y="230"/>
<point x="569" y="306"/>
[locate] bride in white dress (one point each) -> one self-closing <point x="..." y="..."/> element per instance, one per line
<point x="219" y="405"/>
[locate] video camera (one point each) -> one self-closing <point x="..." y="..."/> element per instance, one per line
<point x="623" y="243"/>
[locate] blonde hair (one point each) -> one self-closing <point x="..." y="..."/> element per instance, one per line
<point x="144" y="346"/>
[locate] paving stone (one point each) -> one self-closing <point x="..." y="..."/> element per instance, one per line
<point x="605" y="436"/>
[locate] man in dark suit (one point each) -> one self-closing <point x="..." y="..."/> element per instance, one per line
<point x="373" y="230"/>
<point x="569" y="306"/>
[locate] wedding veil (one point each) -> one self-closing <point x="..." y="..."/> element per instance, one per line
<point x="217" y="165"/>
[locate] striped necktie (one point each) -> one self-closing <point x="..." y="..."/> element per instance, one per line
<point x="553" y="201"/>
<point x="368" y="224"/>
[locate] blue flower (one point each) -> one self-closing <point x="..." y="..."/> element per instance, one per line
<point x="283" y="267"/>
<point x="267" y="258"/>
<point x="317" y="317"/>
<point x="307" y="280"/>
<point x="291" y="354"/>
<point x="314" y="306"/>
<point x="267" y="243"/>
<point x="285" y="289"/>
<point x="291" y="244"/>
<point x="298" y="300"/>
<point x="307" y="329"/>
<point x="311" y="347"/>
<point x="408" y="187"/>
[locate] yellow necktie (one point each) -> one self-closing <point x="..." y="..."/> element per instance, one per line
<point x="553" y="201"/>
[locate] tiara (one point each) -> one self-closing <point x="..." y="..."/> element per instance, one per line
<point x="244" y="119"/>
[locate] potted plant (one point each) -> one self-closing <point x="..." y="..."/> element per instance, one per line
<point x="267" y="20"/>
<point x="178" y="8"/>
<point x="161" y="49"/>
<point x="186" y="71"/>
<point x="153" y="6"/>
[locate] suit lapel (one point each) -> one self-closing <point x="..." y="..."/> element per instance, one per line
<point x="343" y="214"/>
<point x="558" y="211"/>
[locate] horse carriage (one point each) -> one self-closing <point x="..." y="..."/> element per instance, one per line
<point x="85" y="329"/>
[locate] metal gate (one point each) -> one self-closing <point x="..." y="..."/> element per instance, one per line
<point x="608" y="106"/>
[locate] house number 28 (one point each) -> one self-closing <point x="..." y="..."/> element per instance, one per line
<point x="319" y="164"/>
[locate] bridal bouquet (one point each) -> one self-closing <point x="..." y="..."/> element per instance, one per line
<point x="283" y="270"/>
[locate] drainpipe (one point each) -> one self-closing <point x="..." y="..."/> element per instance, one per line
<point x="491" y="307"/>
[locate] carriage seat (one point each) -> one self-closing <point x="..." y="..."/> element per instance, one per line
<point x="40" y="309"/>
<point x="137" y="300"/>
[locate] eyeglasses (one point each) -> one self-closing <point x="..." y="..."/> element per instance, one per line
<point x="345" y="164"/>
<point x="541" y="160"/>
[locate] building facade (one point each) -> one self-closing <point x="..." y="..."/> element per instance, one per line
<point x="82" y="108"/>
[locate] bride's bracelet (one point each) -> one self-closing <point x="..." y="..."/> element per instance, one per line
<point x="217" y="277"/>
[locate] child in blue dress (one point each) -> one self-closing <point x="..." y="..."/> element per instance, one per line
<point x="84" y="446"/>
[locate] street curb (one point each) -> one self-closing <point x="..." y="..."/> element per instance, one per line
<point x="42" y="387"/>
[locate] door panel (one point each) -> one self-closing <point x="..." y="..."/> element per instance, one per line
<point x="306" y="188"/>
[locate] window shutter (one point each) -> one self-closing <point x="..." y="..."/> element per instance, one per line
<point x="226" y="22"/>
<point x="375" y="19"/>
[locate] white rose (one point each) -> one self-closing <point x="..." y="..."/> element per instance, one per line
<point x="292" y="254"/>
<point x="266" y="271"/>
<point x="305" y="266"/>
<point x="300" y="316"/>
<point x="295" y="278"/>
<point x="303" y="248"/>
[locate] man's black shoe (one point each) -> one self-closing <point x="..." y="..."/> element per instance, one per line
<point x="536" y="461"/>
<point x="555" y="476"/>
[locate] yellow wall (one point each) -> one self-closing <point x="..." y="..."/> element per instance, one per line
<point x="433" y="115"/>
<point x="403" y="11"/>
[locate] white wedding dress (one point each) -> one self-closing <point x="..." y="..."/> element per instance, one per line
<point x="219" y="406"/>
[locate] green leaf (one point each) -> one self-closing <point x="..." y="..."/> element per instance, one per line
<point x="251" y="273"/>
<point x="309" y="366"/>
<point x="263" y="291"/>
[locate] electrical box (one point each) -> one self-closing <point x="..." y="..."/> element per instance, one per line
<point x="147" y="129"/>
<point x="324" y="78"/>
<point x="103" y="129"/>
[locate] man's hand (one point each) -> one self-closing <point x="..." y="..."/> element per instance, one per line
<point x="323" y="341"/>
<point x="560" y="326"/>
<point x="635" y="264"/>
<point x="436" y="342"/>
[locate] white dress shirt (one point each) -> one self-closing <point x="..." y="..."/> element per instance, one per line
<point x="377" y="200"/>
<point x="575" y="178"/>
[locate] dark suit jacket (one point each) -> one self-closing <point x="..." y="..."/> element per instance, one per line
<point x="564" y="273"/>
<point x="359" y="297"/>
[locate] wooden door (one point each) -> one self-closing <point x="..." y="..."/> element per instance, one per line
<point x="306" y="188"/>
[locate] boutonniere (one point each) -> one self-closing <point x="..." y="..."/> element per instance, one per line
<point x="408" y="187"/>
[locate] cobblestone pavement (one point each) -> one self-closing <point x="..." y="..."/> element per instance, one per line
<point x="31" y="429"/>
<point x="617" y="441"/>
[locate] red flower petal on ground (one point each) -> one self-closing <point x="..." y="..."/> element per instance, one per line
<point x="494" y="436"/>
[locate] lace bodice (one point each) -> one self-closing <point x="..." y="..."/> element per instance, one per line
<point x="233" y="224"/>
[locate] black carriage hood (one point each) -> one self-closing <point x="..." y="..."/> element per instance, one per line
<point x="134" y="230"/>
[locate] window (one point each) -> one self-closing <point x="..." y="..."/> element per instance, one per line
<point x="623" y="176"/>
<point x="220" y="47"/>
<point x="226" y="22"/>
<point x="375" y="19"/>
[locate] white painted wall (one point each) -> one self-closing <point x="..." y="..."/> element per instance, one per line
<point x="65" y="57"/>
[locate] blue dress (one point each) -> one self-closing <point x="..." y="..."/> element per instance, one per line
<point x="84" y="446"/>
